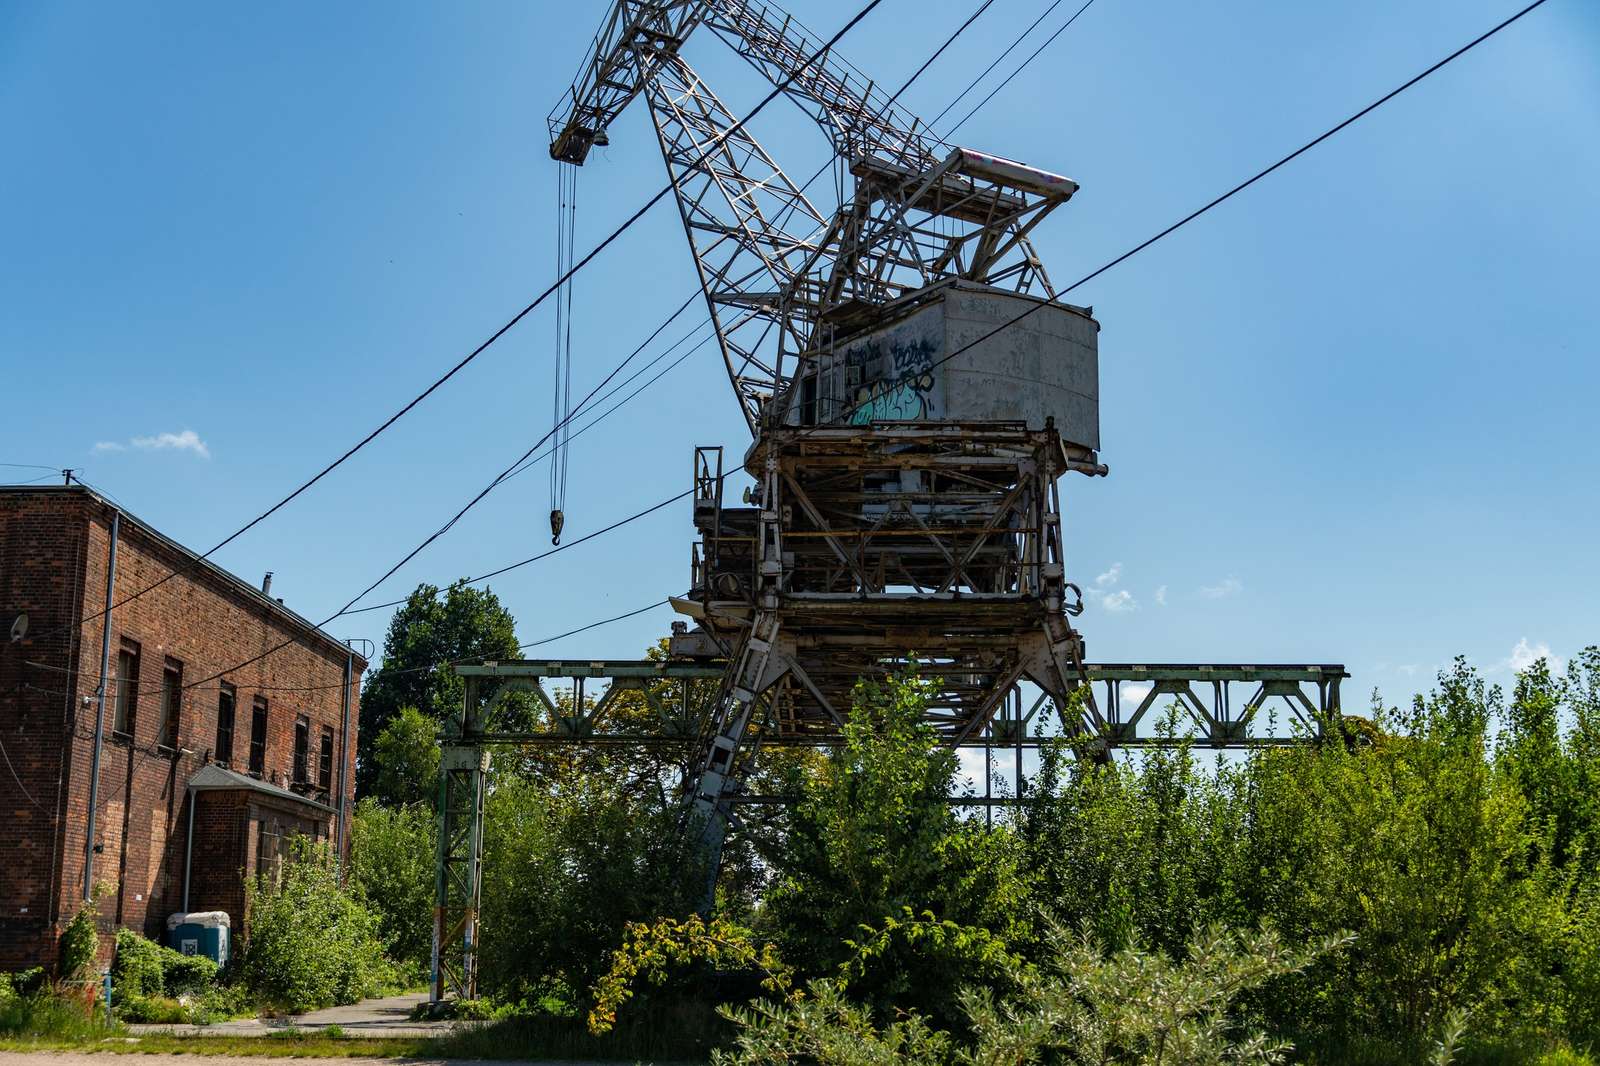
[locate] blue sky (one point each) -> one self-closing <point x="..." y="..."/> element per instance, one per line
<point x="1348" y="415"/>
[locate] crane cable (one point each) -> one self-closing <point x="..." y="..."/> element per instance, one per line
<point x="561" y="392"/>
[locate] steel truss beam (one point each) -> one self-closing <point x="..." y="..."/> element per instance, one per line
<point x="1218" y="721"/>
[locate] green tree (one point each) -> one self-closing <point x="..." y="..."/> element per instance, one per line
<point x="392" y="856"/>
<point x="406" y="755"/>
<point x="565" y="871"/>
<point x="873" y="836"/>
<point x="425" y="635"/>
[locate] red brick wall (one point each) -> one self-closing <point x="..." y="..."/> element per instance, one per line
<point x="42" y="545"/>
<point x="54" y="546"/>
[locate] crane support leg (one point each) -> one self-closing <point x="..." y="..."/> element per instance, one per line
<point x="458" y="886"/>
<point x="759" y="664"/>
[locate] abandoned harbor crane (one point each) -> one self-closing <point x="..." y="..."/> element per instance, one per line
<point x="915" y="393"/>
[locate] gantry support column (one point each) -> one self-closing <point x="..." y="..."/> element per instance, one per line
<point x="458" y="886"/>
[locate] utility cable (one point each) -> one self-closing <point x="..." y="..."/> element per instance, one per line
<point x="395" y="673"/>
<point x="997" y="61"/>
<point x="588" y="257"/>
<point x="1048" y="41"/>
<point x="939" y="51"/>
<point x="1243" y="185"/>
<point x="1081" y="281"/>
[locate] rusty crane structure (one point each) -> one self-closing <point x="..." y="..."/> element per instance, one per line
<point x="916" y="394"/>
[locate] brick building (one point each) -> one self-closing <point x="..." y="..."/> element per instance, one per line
<point x="202" y="779"/>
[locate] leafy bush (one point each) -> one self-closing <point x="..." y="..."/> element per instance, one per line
<point x="1131" y="1007"/>
<point x="564" y="873"/>
<point x="392" y="855"/>
<point x="80" y="943"/>
<point x="137" y="969"/>
<point x="873" y="838"/>
<point x="31" y="1008"/>
<point x="309" y="944"/>
<point x="153" y="983"/>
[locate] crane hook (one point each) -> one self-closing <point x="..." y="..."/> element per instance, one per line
<point x="557" y="520"/>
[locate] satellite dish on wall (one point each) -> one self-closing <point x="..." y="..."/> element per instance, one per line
<point x="19" y="627"/>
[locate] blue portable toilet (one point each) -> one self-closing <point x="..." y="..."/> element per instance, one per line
<point x="200" y="933"/>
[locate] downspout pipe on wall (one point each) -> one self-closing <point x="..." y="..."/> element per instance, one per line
<point x="100" y="711"/>
<point x="188" y="850"/>
<point x="344" y="759"/>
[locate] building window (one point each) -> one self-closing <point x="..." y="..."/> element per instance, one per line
<point x="325" y="759"/>
<point x="302" y="748"/>
<point x="171" y="703"/>
<point x="258" y="737"/>
<point x="270" y="845"/>
<point x="225" y="703"/>
<point x="127" y="696"/>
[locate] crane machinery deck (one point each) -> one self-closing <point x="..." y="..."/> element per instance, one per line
<point x="915" y="393"/>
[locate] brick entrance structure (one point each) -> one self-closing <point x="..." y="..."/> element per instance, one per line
<point x="261" y="753"/>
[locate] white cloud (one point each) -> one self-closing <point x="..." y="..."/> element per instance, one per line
<point x="1118" y="601"/>
<point x="1525" y="655"/>
<point x="1229" y="586"/>
<point x="1110" y="577"/>
<point x="1133" y="694"/>
<point x="186" y="441"/>
<point x="1161" y="596"/>
<point x="969" y="766"/>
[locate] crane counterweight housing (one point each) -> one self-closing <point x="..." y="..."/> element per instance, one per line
<point x="951" y="356"/>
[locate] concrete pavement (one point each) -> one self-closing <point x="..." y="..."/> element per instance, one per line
<point x="390" y="1016"/>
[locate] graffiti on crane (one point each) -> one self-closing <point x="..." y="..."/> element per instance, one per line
<point x="904" y="388"/>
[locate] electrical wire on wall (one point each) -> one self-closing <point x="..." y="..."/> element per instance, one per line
<point x="561" y="394"/>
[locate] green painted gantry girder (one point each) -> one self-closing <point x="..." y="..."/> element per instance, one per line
<point x="1202" y="692"/>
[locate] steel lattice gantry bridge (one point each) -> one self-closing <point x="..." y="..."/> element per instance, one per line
<point x="683" y="695"/>
<point x="915" y="392"/>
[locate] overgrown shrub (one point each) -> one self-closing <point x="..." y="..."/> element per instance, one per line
<point x="80" y="944"/>
<point x="153" y="983"/>
<point x="31" y="1008"/>
<point x="392" y="855"/>
<point x="309" y="944"/>
<point x="564" y="872"/>
<point x="1458" y="846"/>
<point x="874" y="838"/>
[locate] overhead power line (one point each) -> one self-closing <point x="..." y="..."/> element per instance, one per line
<point x="1239" y="188"/>
<point x="554" y="286"/>
<point x="997" y="61"/>
<point x="712" y="146"/>
<point x="1142" y="245"/>
<point x="1048" y="41"/>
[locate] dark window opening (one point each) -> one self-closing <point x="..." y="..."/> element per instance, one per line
<point x="808" y="400"/>
<point x="325" y="759"/>
<point x="171" y="703"/>
<point x="127" y="693"/>
<point x="258" y="737"/>
<point x="302" y="748"/>
<point x="225" y="704"/>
